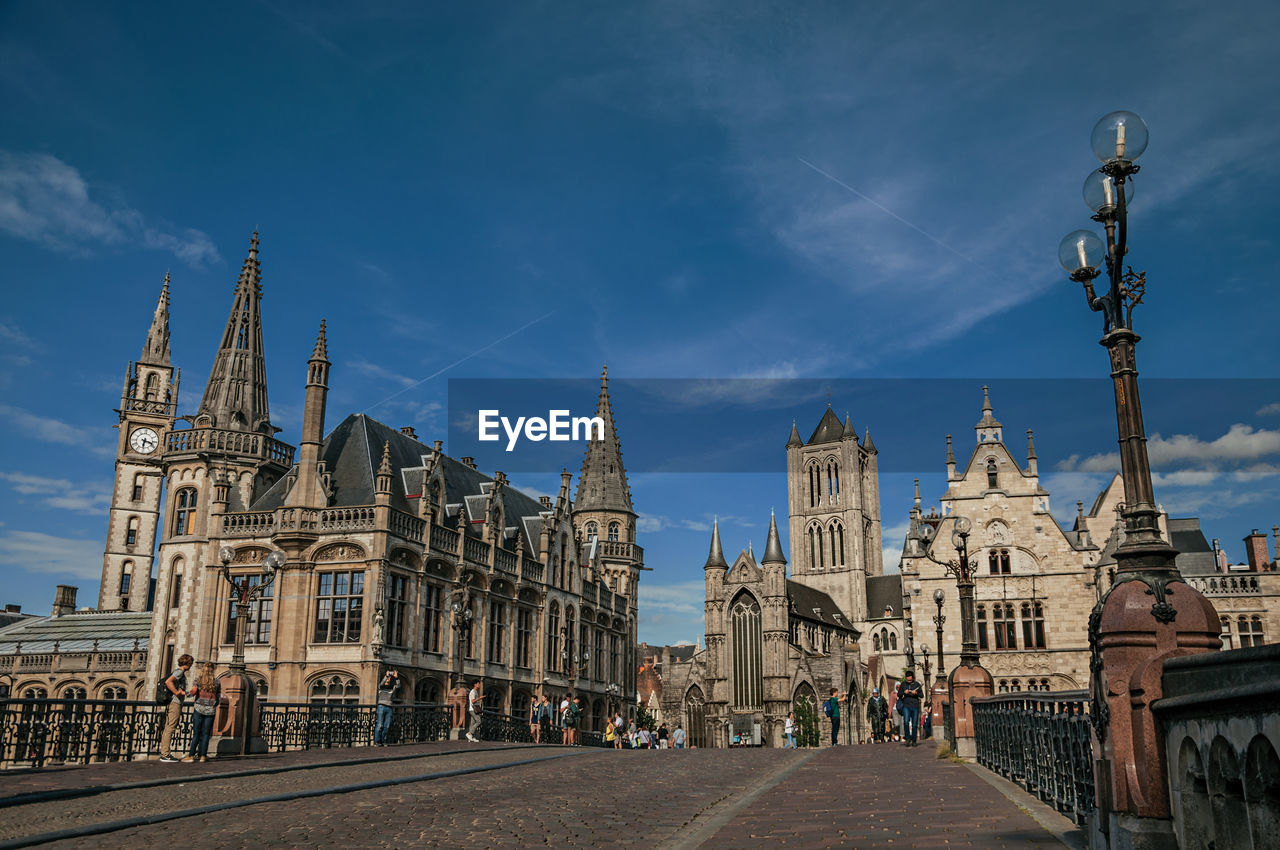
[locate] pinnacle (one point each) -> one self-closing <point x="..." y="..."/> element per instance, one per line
<point x="716" y="557"/>
<point x="321" y="351"/>
<point x="773" y="546"/>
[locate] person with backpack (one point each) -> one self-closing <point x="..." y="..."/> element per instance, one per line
<point x="174" y="685"/>
<point x="831" y="708"/>
<point x="208" y="693"/>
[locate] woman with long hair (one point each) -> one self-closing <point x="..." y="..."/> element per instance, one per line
<point x="208" y="693"/>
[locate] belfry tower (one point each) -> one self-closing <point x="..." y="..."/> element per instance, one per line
<point x="148" y="407"/>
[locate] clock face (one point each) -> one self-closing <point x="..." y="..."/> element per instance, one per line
<point x="144" y="441"/>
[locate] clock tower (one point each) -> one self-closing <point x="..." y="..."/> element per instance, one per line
<point x="148" y="406"/>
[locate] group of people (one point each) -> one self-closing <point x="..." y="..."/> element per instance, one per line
<point x="567" y="716"/>
<point x="902" y="723"/>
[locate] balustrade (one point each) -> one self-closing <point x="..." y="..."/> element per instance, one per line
<point x="248" y="524"/>
<point x="505" y="561"/>
<point x="444" y="539"/>
<point x="38" y="732"/>
<point x="1225" y="585"/>
<point x="219" y="441"/>
<point x="476" y="551"/>
<point x="1040" y="740"/>
<point x="347" y="519"/>
<point x="407" y="527"/>
<point x="532" y="570"/>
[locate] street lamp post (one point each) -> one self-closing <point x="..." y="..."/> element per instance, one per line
<point x="938" y="619"/>
<point x="1135" y="626"/>
<point x="460" y="607"/>
<point x="245" y="591"/>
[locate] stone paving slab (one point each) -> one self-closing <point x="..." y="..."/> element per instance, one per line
<point x="882" y="795"/>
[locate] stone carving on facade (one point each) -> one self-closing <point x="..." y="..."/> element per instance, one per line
<point x="340" y="552"/>
<point x="249" y="555"/>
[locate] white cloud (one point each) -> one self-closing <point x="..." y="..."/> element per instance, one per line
<point x="892" y="539"/>
<point x="1270" y="409"/>
<point x="60" y="493"/>
<point x="36" y="552"/>
<point x="49" y="430"/>
<point x="684" y="598"/>
<point x="45" y="200"/>
<point x="1240" y="443"/>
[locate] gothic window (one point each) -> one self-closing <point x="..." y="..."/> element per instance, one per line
<point x="524" y="638"/>
<point x="152" y="387"/>
<point x="982" y="627"/>
<point x="840" y="535"/>
<point x="131" y="531"/>
<point x="339" y="606"/>
<point x="1038" y="632"/>
<point x="137" y="487"/>
<point x="695" y="711"/>
<point x="497" y="632"/>
<point x="553" y="638"/>
<point x="114" y="693"/>
<point x="1226" y="632"/>
<point x="893" y="641"/>
<point x="175" y="590"/>
<point x="427" y="690"/>
<point x="1006" y="627"/>
<point x="593" y="531"/>
<point x="813" y="485"/>
<point x="126" y="578"/>
<point x="831" y="533"/>
<point x="748" y="652"/>
<point x="833" y="480"/>
<point x="432" y="617"/>
<point x="560" y="565"/>
<point x="335" y="690"/>
<point x="615" y="658"/>
<point x="74" y="692"/>
<point x="184" y="514"/>
<point x="821" y="550"/>
<point x="999" y="562"/>
<point x="35" y="693"/>
<point x="613" y="531"/>
<point x="397" y="610"/>
<point x="875" y="642"/>
<point x="1027" y="640"/>
<point x="600" y="658"/>
<point x="570" y="636"/>
<point x="258" y="626"/>
<point x="813" y="552"/>
<point x="991" y="474"/>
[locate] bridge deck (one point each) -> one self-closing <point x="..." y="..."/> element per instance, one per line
<point x="868" y="796"/>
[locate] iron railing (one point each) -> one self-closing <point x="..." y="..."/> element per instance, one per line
<point x="39" y="732"/>
<point x="308" y="726"/>
<point x="1040" y="740"/>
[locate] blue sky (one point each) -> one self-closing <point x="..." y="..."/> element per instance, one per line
<point x="681" y="190"/>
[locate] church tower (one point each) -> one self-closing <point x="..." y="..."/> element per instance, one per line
<point x="148" y="406"/>
<point x="833" y="487"/>
<point x="602" y="507"/>
<point x="226" y="458"/>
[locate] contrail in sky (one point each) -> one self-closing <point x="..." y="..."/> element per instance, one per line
<point x="892" y="214"/>
<point x="440" y="372"/>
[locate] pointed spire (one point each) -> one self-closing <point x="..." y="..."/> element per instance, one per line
<point x="602" y="486"/>
<point x="1031" y="453"/>
<point x="382" y="484"/>
<point x="917" y="496"/>
<point x="716" y="556"/>
<point x="988" y="428"/>
<point x="156" y="349"/>
<point x="236" y="395"/>
<point x="829" y="428"/>
<point x="794" y="439"/>
<point x="750" y="552"/>
<point x="849" y="430"/>
<point x="321" y="351"/>
<point x="868" y="445"/>
<point x="773" y="547"/>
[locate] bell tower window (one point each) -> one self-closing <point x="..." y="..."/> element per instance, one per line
<point x="184" y="517"/>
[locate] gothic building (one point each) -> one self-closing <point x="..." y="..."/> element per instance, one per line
<point x="383" y="535"/>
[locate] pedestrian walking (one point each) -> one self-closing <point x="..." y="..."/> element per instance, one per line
<point x="678" y="737"/>
<point x="877" y="715"/>
<point x="173" y="691"/>
<point x="663" y="736"/>
<point x="910" y="694"/>
<point x="475" y="709"/>
<point x="208" y="693"/>
<point x="566" y="736"/>
<point x="789" y="731"/>
<point x="534" y="706"/>
<point x="618" y="731"/>
<point x="832" y="709"/>
<point x="387" y="689"/>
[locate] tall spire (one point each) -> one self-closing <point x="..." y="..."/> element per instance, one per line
<point x="602" y="486"/>
<point x="236" y="395"/>
<point x="716" y="556"/>
<point x="1031" y="453"/>
<point x="773" y="546"/>
<point x="988" y="428"/>
<point x="156" y="349"/>
<point x="794" y="439"/>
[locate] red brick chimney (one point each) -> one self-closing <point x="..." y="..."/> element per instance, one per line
<point x="1255" y="547"/>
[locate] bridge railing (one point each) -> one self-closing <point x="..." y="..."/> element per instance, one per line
<point x="40" y="732"/>
<point x="310" y="726"/>
<point x="1040" y="740"/>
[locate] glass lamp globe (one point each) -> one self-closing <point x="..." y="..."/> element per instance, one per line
<point x="275" y="560"/>
<point x="1119" y="135"/>
<point x="963" y="525"/>
<point x="1100" y="192"/>
<point x="226" y="554"/>
<point x="938" y="596"/>
<point x="1080" y="249"/>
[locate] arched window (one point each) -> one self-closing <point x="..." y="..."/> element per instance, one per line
<point x="570" y="639"/>
<point x="992" y="482"/>
<point x="1038" y="632"/>
<point x="613" y="531"/>
<point x="152" y="387"/>
<point x="813" y="485"/>
<point x="137" y="487"/>
<point x="175" y="584"/>
<point x="999" y="563"/>
<point x="131" y="531"/>
<point x="335" y="690"/>
<point x="553" y="638"/>
<point x="126" y="578"/>
<point x="893" y="641"/>
<point x="875" y="642"/>
<point x="35" y="693"/>
<point x="494" y="699"/>
<point x="813" y="552"/>
<point x="593" y="531"/>
<point x="695" y="713"/>
<point x="748" y="652"/>
<point x="428" y="690"/>
<point x="831" y="533"/>
<point x="822" y="562"/>
<point x="114" y="693"/>
<point x="840" y="549"/>
<point x="982" y="627"/>
<point x="833" y="480"/>
<point x="74" y="692"/>
<point x="184" y="512"/>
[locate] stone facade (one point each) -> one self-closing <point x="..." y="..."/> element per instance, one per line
<point x="398" y="555"/>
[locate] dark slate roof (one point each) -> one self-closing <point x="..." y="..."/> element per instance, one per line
<point x="1195" y="555"/>
<point x="353" y="450"/>
<point x="816" y="606"/>
<point x="884" y="591"/>
<point x="114" y="631"/>
<point x="829" y="429"/>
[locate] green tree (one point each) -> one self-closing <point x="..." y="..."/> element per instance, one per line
<point x="807" y="732"/>
<point x="645" y="718"/>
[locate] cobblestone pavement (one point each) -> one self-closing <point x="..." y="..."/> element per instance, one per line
<point x="867" y="796"/>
